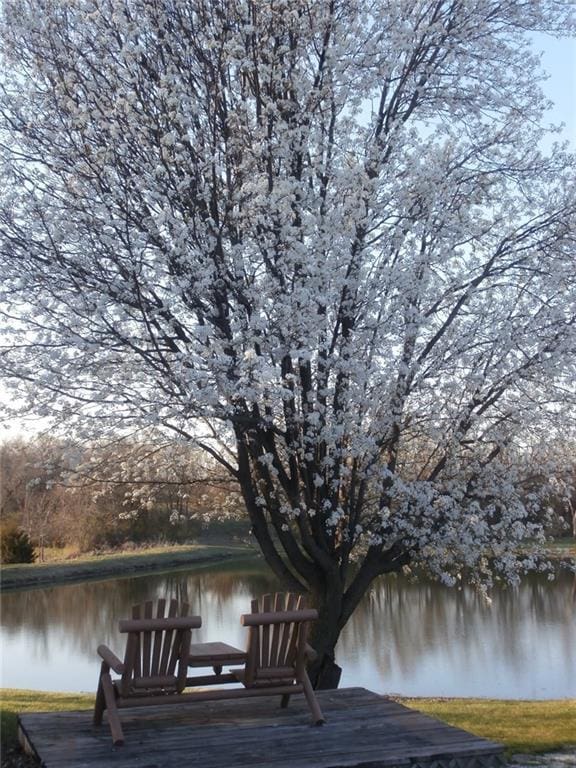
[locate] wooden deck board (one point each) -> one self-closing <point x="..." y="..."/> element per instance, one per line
<point x="364" y="730"/>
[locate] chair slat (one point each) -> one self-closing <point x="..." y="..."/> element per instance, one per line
<point x="283" y="631"/>
<point x="295" y="603"/>
<point x="175" y="640"/>
<point x="167" y="647"/>
<point x="288" y="603"/>
<point x="175" y="651"/>
<point x="146" y="640"/>
<point x="266" y="603"/>
<point x="253" y="648"/>
<point x="137" y="666"/>
<point x="158" y="639"/>
<point x="276" y="631"/>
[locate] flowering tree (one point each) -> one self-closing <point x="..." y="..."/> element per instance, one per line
<point x="319" y="239"/>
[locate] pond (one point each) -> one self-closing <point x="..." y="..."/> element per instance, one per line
<point x="414" y="639"/>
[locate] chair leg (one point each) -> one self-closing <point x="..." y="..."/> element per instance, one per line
<point x="317" y="716"/>
<point x="113" y="716"/>
<point x="100" y="704"/>
<point x="285" y="700"/>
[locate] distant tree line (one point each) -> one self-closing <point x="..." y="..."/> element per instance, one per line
<point x="94" y="496"/>
<point x="55" y="493"/>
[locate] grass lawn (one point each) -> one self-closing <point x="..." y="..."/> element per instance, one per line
<point x="522" y="726"/>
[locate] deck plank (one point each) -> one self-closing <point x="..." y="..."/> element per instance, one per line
<point x="364" y="730"/>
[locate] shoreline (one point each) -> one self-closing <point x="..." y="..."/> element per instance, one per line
<point x="37" y="575"/>
<point x="154" y="559"/>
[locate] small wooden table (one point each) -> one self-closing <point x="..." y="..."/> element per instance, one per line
<point x="215" y="655"/>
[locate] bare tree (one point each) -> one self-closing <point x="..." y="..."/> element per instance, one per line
<point x="319" y="240"/>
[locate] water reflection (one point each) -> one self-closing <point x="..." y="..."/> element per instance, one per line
<point x="425" y="639"/>
<point x="412" y="638"/>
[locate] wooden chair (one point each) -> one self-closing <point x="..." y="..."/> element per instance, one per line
<point x="278" y="650"/>
<point x="157" y="657"/>
<point x="155" y="662"/>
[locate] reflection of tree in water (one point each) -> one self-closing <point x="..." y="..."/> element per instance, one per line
<point x="398" y="625"/>
<point x="400" y="622"/>
<point x="84" y="615"/>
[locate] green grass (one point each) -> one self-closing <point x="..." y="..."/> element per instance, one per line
<point x="116" y="564"/>
<point x="521" y="726"/>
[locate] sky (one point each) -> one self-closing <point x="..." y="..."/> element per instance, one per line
<point x="559" y="60"/>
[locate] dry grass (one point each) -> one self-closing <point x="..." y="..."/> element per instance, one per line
<point x="14" y="701"/>
<point x="117" y="564"/>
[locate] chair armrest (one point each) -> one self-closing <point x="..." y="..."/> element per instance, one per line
<point x="278" y="617"/>
<point x="310" y="653"/>
<point x="150" y="625"/>
<point x="111" y="659"/>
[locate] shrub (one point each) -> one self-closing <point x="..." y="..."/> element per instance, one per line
<point x="15" y="545"/>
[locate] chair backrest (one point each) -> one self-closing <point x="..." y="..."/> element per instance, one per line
<point x="157" y="648"/>
<point x="278" y="633"/>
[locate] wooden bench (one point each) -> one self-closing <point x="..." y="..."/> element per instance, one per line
<point x="159" y="652"/>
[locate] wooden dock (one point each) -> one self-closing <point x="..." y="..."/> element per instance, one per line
<point x="364" y="730"/>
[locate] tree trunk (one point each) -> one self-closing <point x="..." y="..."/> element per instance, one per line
<point x="336" y="603"/>
<point x="324" y="672"/>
